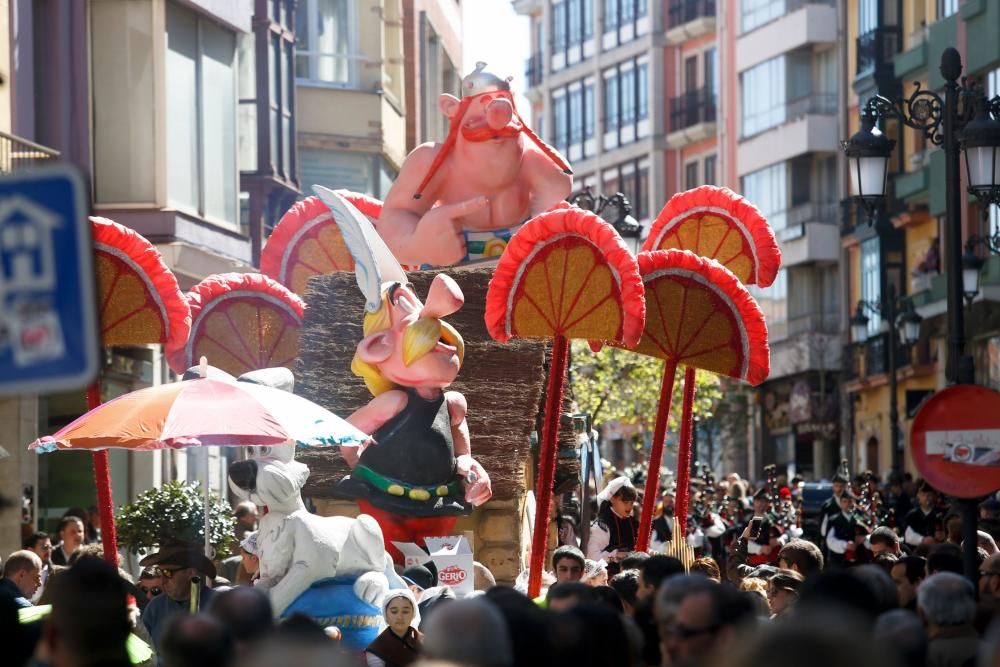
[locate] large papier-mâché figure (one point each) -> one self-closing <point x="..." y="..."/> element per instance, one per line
<point x="462" y="199"/>
<point x="304" y="556"/>
<point x="416" y="474"/>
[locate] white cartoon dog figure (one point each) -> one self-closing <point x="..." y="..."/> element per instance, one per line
<point x="298" y="548"/>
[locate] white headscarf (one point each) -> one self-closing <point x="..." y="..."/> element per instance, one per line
<point x="395" y="593"/>
<point x="612" y="488"/>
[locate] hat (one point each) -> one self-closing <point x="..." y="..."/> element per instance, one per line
<point x="249" y="544"/>
<point x="924" y="487"/>
<point x="181" y="555"/>
<point x="406" y="594"/>
<point x="839" y="477"/>
<point x="418" y="575"/>
<point x="613" y="487"/>
<point x="592" y="569"/>
<point x="991" y="504"/>
<point x="787" y="580"/>
<point x="849" y="493"/>
<point x="762" y="495"/>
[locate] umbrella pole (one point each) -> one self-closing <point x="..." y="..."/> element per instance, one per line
<point x="547" y="462"/>
<point x="684" y="448"/>
<point x="656" y="455"/>
<point x="102" y="480"/>
<point x="208" y="538"/>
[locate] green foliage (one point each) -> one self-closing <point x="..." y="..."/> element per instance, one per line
<point x="174" y="513"/>
<point x="618" y="385"/>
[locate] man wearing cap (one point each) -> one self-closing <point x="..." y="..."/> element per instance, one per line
<point x="761" y="549"/>
<point x="177" y="565"/>
<point x="925" y="523"/>
<point x="843" y="536"/>
<point x="464" y="198"/>
<point x="831" y="506"/>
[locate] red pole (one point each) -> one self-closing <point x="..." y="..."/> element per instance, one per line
<point x="684" y="448"/>
<point x="547" y="463"/>
<point x="656" y="455"/>
<point x="102" y="479"/>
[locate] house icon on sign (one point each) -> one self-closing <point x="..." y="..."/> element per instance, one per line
<point x="27" y="257"/>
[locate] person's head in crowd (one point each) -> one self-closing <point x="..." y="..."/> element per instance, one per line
<point x="302" y="630"/>
<point x="907" y="573"/>
<point x="654" y="570"/>
<point x="986" y="542"/>
<point x="418" y="578"/>
<point x="24" y="569"/>
<point x="989" y="577"/>
<point x="901" y="631"/>
<point x="149" y="584"/>
<point x="246" y="612"/>
<point x="945" y="557"/>
<point x="609" y="597"/>
<point x="562" y="596"/>
<point x="176" y="565"/>
<point x="783" y="591"/>
<point x="41" y="544"/>
<point x="668" y="501"/>
<point x="626" y="584"/>
<point x="595" y="573"/>
<point x="838" y="587"/>
<point x="708" y="567"/>
<point x="70" y="533"/>
<point x="761" y="502"/>
<point x="926" y="496"/>
<point x="527" y="626"/>
<point x="289" y="650"/>
<point x="707" y="622"/>
<point x="953" y="528"/>
<point x="89" y="622"/>
<point x="989" y="651"/>
<point x="886" y="561"/>
<point x="633" y="560"/>
<point x="195" y="640"/>
<point x="592" y="635"/>
<point x="399" y="608"/>
<point x="884" y="540"/>
<point x="93" y="550"/>
<point x="981" y="555"/>
<point x="246" y="515"/>
<point x="622" y="496"/>
<point x="946" y="600"/>
<point x="568" y="564"/>
<point x="882" y="590"/>
<point x="802" y="556"/>
<point x="250" y="553"/>
<point x="484" y="579"/>
<point x="471" y="633"/>
<point x="839" y="483"/>
<point x="847" y="501"/>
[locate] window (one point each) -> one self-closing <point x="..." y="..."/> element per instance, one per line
<point x="558" y="27"/>
<point x="588" y="19"/>
<point x="201" y="100"/>
<point x="325" y="34"/>
<point x="626" y="101"/>
<point x="690" y="175"/>
<point x="773" y="302"/>
<point x="710" y="170"/>
<point x="589" y="110"/>
<point x="992" y="89"/>
<point x="610" y="15"/>
<point x="768" y="189"/>
<point x="611" y="103"/>
<point x="763" y="96"/>
<point x="691" y="73"/>
<point x="867" y="16"/>
<point x="576" y="115"/>
<point x="351" y="171"/>
<point x="755" y="13"/>
<point x="560" y="123"/>
<point x="642" y="82"/>
<point x="575" y="12"/>
<point x="871" y="280"/>
<point x="624" y="20"/>
<point x="626" y="80"/>
<point x="640" y="205"/>
<point x="710" y="66"/>
<point x="946" y="8"/>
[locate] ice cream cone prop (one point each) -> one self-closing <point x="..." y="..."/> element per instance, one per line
<point x="141" y="304"/>
<point x="242" y="322"/>
<point x="307" y="242"/>
<point x="698" y="315"/>
<point x="566" y="274"/>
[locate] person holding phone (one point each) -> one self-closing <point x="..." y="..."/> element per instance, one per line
<point x="614" y="533"/>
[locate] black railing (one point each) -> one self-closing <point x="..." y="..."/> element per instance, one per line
<point x="534" y="69"/>
<point x="877" y="355"/>
<point x="877" y="47"/>
<point x="683" y="11"/>
<point x="691" y="108"/>
<point x="17" y="154"/>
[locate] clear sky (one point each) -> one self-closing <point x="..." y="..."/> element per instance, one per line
<point x="492" y="32"/>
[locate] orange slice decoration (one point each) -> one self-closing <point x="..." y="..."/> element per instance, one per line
<point x="241" y="322"/>
<point x="140" y="301"/>
<point x="719" y="224"/>
<point x="566" y="273"/>
<point x="700" y="315"/>
<point x="306" y="242"/>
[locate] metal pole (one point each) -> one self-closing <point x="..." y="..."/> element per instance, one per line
<point x="890" y="310"/>
<point x="959" y="368"/>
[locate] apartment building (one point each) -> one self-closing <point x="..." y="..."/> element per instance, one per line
<point x="892" y="45"/>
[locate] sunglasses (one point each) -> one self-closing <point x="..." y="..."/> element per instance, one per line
<point x="168" y="573"/>
<point x="987" y="573"/>
<point x="154" y="591"/>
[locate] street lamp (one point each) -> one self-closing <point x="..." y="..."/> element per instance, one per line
<point x="904" y="326"/>
<point x="945" y="124"/>
<point x="868" y="153"/>
<point x="972" y="263"/>
<point x="615" y="210"/>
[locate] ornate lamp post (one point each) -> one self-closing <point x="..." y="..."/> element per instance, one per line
<point x="904" y="324"/>
<point x="615" y="210"/>
<point x="945" y="122"/>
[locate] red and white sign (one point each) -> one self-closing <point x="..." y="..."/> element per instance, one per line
<point x="452" y="576"/>
<point x="955" y="441"/>
<point x="451" y="555"/>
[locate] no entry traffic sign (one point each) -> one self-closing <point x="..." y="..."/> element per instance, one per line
<point x="956" y="441"/>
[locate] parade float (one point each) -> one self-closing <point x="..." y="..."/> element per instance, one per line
<point x="521" y="274"/>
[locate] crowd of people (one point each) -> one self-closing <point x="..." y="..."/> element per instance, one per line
<point x="881" y="588"/>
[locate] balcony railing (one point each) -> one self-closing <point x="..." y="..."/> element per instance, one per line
<point x="818" y="323"/>
<point x="817" y="103"/>
<point x="758" y="14"/>
<point x="691" y="108"/>
<point x="17" y="154"/>
<point x="534" y="69"/>
<point x="813" y="212"/>
<point x="684" y="11"/>
<point x="877" y="47"/>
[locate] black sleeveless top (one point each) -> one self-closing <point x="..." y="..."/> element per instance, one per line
<point x="623" y="532"/>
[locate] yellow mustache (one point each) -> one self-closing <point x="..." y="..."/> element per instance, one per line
<point x="423" y="336"/>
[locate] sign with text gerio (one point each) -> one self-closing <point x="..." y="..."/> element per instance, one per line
<point x="955" y="441"/>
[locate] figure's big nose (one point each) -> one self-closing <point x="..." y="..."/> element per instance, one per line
<point x="443" y="298"/>
<point x="498" y="113"/>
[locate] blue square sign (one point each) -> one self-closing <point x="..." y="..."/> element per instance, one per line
<point x="48" y="317"/>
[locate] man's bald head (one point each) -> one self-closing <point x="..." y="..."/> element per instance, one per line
<point x="469" y="632"/>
